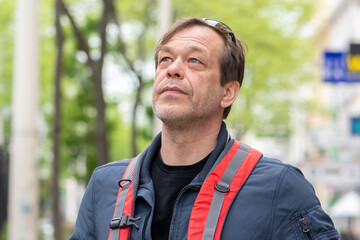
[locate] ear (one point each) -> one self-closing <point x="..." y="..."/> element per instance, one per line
<point x="231" y="90"/>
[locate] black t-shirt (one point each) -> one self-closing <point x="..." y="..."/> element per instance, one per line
<point x="168" y="182"/>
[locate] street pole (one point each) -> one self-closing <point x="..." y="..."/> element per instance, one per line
<point x="23" y="182"/>
<point x="165" y="16"/>
<point x="164" y="21"/>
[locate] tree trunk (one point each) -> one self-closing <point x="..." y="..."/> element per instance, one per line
<point x="4" y="176"/>
<point x="134" y="117"/>
<point x="96" y="66"/>
<point x="101" y="129"/>
<point x="56" y="124"/>
<point x="141" y="57"/>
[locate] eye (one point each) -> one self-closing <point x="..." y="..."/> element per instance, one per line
<point x="194" y="60"/>
<point x="165" y="59"/>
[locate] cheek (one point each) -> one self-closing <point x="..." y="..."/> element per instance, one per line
<point x="157" y="73"/>
<point x="200" y="90"/>
<point x="160" y="75"/>
<point x="208" y="87"/>
<point x="158" y="78"/>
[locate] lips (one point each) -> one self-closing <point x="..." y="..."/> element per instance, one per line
<point x="172" y="89"/>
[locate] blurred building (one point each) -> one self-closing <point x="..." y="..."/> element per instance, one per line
<point x="326" y="143"/>
<point x="332" y="143"/>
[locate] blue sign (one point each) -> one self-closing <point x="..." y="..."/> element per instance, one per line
<point x="355" y="126"/>
<point x="335" y="68"/>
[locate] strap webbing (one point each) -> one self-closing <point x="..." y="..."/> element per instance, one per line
<point x="222" y="187"/>
<point x="219" y="190"/>
<point x="121" y="199"/>
<point x="125" y="202"/>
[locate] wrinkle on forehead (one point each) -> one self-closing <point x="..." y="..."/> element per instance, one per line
<point x="199" y="34"/>
<point x="190" y="47"/>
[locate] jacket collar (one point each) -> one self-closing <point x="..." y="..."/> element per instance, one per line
<point x="223" y="137"/>
<point x="155" y="145"/>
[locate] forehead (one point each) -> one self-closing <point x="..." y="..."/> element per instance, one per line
<point x="198" y="38"/>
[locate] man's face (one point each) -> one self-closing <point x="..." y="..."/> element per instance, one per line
<point x="187" y="80"/>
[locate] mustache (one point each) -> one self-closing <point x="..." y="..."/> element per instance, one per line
<point x="170" y="82"/>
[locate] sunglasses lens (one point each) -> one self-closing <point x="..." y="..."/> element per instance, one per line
<point x="220" y="25"/>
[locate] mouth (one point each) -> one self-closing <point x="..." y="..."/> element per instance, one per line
<point x="172" y="89"/>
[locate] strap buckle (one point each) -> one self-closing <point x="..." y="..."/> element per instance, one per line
<point x="221" y="187"/>
<point x="124" y="221"/>
<point x="124" y="183"/>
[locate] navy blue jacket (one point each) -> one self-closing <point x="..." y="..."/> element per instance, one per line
<point x="269" y="206"/>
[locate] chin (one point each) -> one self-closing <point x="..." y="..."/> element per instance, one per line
<point x="173" y="117"/>
<point x="166" y="116"/>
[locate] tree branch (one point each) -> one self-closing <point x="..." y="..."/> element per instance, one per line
<point x="141" y="56"/>
<point x="121" y="44"/>
<point x="82" y="41"/>
<point x="102" y="28"/>
<point x="57" y="122"/>
<point x="147" y="22"/>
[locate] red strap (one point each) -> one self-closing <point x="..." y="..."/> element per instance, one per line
<point x="125" y="231"/>
<point x="203" y="201"/>
<point x="128" y="207"/>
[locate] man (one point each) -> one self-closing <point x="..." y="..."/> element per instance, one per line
<point x="199" y="70"/>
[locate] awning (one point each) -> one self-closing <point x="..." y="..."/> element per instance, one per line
<point x="347" y="206"/>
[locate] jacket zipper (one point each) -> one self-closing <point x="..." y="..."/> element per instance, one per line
<point x="305" y="226"/>
<point x="145" y="224"/>
<point x="195" y="187"/>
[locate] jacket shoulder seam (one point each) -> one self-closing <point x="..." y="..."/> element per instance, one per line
<point x="122" y="163"/>
<point x="275" y="197"/>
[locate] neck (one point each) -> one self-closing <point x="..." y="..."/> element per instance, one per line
<point x="188" y="145"/>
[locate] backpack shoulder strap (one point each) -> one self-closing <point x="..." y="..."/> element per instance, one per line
<point x="218" y="191"/>
<point x="123" y="214"/>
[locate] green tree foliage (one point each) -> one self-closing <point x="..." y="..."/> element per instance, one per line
<point x="78" y="138"/>
<point x="127" y="51"/>
<point x="276" y="58"/>
<point x="6" y="63"/>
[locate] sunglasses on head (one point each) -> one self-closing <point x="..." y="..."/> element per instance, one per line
<point x="221" y="26"/>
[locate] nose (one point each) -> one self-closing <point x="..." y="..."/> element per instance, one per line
<point x="176" y="70"/>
